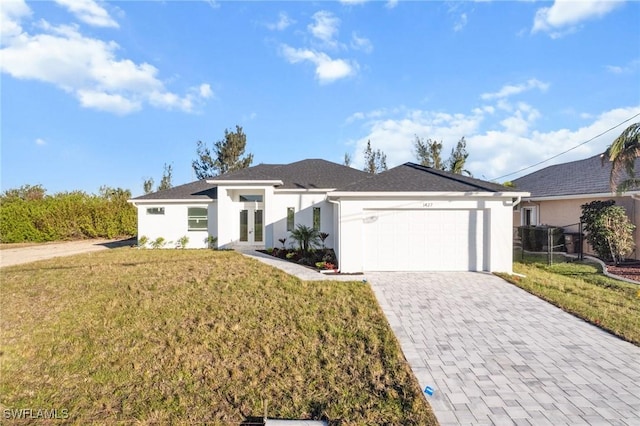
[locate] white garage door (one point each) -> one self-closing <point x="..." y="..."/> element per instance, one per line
<point x="424" y="240"/>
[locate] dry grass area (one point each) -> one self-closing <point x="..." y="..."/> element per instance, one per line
<point x="155" y="336"/>
<point x="582" y="290"/>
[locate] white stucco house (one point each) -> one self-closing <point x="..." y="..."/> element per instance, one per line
<point x="409" y="218"/>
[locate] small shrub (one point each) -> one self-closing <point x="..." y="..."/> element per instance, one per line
<point x="142" y="241"/>
<point x="320" y="265"/>
<point x="158" y="243"/>
<point x="182" y="242"/>
<point x="212" y="242"/>
<point x="283" y="242"/>
<point x="323" y="236"/>
<point x="328" y="265"/>
<point x="608" y="229"/>
<point x="290" y="255"/>
<point x="270" y="250"/>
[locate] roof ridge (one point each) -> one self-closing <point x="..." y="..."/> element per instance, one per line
<point x="453" y="176"/>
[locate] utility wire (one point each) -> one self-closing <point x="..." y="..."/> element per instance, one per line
<point x="570" y="149"/>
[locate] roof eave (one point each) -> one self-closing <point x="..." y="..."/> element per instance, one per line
<point x="414" y="194"/>
<point x="245" y="182"/>
<point x="170" y="201"/>
<point x="581" y="196"/>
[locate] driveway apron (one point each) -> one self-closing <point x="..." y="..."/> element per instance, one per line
<point x="494" y="354"/>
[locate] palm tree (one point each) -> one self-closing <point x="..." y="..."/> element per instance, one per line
<point x="623" y="153"/>
<point x="306" y="237"/>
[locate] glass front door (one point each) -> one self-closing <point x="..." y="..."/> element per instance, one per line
<point x="251" y="226"/>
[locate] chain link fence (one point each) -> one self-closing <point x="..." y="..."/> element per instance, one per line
<point x="549" y="240"/>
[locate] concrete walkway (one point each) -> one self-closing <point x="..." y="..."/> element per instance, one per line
<point x="302" y="272"/>
<point x="497" y="355"/>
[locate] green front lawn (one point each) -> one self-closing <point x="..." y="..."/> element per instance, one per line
<point x="581" y="289"/>
<point x="195" y="336"/>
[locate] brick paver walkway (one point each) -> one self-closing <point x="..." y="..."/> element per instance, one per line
<point x="497" y="355"/>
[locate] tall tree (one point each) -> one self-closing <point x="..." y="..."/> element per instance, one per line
<point x="226" y="156"/>
<point x="429" y="153"/>
<point x="347" y="159"/>
<point x="167" y="174"/>
<point x="147" y="185"/>
<point x="458" y="158"/>
<point x="623" y="153"/>
<point x="374" y="161"/>
<point x="165" y="181"/>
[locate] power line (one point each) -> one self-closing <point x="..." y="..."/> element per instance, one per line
<point x="570" y="149"/>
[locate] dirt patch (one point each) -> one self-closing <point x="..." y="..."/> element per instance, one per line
<point x="32" y="253"/>
<point x="630" y="271"/>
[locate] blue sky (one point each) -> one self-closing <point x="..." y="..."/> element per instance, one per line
<point x="98" y="93"/>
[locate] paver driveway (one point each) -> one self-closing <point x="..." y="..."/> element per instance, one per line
<point x="497" y="355"/>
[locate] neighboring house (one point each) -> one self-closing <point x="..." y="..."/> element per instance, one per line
<point x="408" y="218"/>
<point x="559" y="191"/>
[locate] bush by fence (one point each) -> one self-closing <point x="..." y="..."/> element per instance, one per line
<point x="28" y="215"/>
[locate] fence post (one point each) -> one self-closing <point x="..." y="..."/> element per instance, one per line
<point x="580" y="252"/>
<point x="550" y="244"/>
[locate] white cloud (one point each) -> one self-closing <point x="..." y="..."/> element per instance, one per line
<point x="103" y="101"/>
<point x="89" y="12"/>
<point x="283" y="22"/>
<point x="353" y="2"/>
<point x="40" y="142"/>
<point x="460" y="23"/>
<point x="499" y="142"/>
<point x="89" y="69"/>
<point x="510" y="89"/>
<point x="391" y="4"/>
<point x="564" y="15"/>
<point x="205" y="91"/>
<point x="11" y="14"/>
<point x="361" y="43"/>
<point x="624" y="69"/>
<point x="327" y="69"/>
<point x="325" y="27"/>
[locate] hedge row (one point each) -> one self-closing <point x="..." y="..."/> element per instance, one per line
<point x="66" y="216"/>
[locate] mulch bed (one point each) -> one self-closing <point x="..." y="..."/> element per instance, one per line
<point x="630" y="271"/>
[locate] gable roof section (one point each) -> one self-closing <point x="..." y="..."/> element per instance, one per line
<point x="582" y="177"/>
<point x="198" y="190"/>
<point x="305" y="174"/>
<point x="411" y="177"/>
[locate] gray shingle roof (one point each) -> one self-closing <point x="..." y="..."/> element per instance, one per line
<point x="198" y="190"/>
<point x="410" y="177"/>
<point x="588" y="176"/>
<point x="305" y="174"/>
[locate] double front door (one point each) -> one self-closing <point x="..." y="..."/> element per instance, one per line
<point x="251" y="226"/>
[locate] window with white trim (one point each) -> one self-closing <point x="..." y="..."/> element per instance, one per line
<point x="155" y="210"/>
<point x="291" y="221"/>
<point x="529" y="216"/>
<point x="197" y="219"/>
<point x="316" y="218"/>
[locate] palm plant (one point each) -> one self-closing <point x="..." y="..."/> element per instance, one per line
<point x="306" y="237"/>
<point x="323" y="236"/>
<point x="282" y="241"/>
<point x="623" y="153"/>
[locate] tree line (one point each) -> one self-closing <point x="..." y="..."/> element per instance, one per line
<point x="28" y="214"/>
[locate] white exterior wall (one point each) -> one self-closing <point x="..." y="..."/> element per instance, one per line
<point x="496" y="221"/>
<point x="303" y="202"/>
<point x="173" y="225"/>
